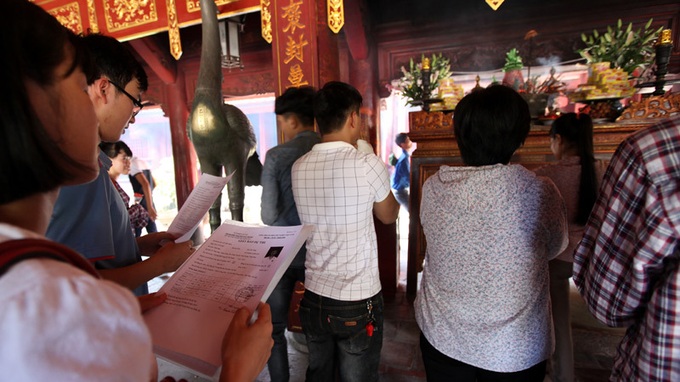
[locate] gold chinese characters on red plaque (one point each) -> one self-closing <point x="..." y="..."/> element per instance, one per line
<point x="294" y="39"/>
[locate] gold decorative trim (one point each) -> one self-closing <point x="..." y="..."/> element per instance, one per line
<point x="92" y="16"/>
<point x="124" y="14"/>
<point x="266" y="17"/>
<point x="665" y="38"/>
<point x="68" y="15"/>
<point x="494" y="4"/>
<point x="336" y="15"/>
<point x="147" y="32"/>
<point x="173" y="30"/>
<point x="195" y="5"/>
<point x="241" y="11"/>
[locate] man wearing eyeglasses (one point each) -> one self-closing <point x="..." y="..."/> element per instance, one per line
<point x="92" y="218"/>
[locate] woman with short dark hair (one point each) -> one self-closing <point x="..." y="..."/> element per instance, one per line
<point x="491" y="227"/>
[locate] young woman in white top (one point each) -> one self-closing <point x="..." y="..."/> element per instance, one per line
<point x="59" y="321"/>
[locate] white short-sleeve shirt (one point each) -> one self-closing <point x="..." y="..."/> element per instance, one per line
<point x="335" y="187"/>
<point x="137" y="165"/>
<point x="59" y="323"/>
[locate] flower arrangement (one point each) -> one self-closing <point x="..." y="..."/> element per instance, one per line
<point x="410" y="83"/>
<point x="627" y="49"/>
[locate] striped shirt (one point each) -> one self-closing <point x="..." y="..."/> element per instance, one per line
<point x="626" y="265"/>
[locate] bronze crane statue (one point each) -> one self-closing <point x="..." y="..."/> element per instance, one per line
<point x="221" y="133"/>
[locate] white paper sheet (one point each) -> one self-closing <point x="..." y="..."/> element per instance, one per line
<point x="196" y="206"/>
<point x="239" y="265"/>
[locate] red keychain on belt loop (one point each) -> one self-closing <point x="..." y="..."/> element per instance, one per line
<point x="369" y="327"/>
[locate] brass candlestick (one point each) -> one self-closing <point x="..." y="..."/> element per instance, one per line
<point x="425" y="99"/>
<point x="663" y="54"/>
<point x="426" y="82"/>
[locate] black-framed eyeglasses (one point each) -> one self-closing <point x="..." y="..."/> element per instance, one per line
<point x="137" y="102"/>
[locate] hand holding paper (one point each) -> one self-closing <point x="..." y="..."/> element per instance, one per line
<point x="246" y="346"/>
<point x="238" y="266"/>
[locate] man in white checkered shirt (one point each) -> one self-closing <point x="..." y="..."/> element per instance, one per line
<point x="338" y="190"/>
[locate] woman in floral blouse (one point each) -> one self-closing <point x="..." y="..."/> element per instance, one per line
<point x="491" y="227"/>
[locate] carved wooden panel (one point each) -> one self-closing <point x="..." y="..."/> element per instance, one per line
<point x="422" y="121"/>
<point x="71" y="15"/>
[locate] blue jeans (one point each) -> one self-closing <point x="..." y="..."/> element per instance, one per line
<point x="336" y="334"/>
<point x="279" y="301"/>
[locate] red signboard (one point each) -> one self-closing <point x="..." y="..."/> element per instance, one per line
<point x="294" y="38"/>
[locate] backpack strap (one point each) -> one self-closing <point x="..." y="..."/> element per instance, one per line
<point x="14" y="251"/>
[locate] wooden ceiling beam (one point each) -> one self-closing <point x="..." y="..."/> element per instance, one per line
<point x="158" y="59"/>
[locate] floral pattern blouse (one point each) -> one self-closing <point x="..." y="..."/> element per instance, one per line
<point x="490" y="232"/>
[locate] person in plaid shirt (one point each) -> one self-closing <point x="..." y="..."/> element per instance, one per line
<point x="626" y="265"/>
